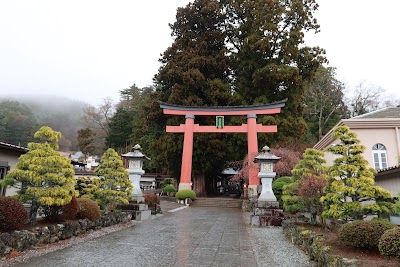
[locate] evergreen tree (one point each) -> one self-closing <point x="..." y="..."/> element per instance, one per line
<point x="195" y="72"/>
<point x="352" y="182"/>
<point x="271" y="62"/>
<point x="310" y="178"/>
<point x="17" y="123"/>
<point x="120" y="128"/>
<point x="114" y="185"/>
<point x="44" y="177"/>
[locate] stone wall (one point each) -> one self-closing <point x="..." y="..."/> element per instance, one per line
<point x="24" y="240"/>
<point x="311" y="243"/>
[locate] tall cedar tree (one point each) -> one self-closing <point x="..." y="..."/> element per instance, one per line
<point x="114" y="185"/>
<point x="128" y="125"/>
<point x="352" y="193"/>
<point x="120" y="128"/>
<point x="43" y="176"/>
<point x="270" y="59"/>
<point x="230" y="52"/>
<point x="195" y="72"/>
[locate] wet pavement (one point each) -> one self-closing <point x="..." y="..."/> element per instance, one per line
<point x="191" y="236"/>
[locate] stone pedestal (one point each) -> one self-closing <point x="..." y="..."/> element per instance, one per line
<point x="267" y="213"/>
<point x="143" y="215"/>
<point x="267" y="195"/>
<point x="184" y="186"/>
<point x="252" y="191"/>
<point x="134" y="176"/>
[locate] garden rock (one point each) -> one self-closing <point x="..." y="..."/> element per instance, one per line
<point x="23" y="240"/>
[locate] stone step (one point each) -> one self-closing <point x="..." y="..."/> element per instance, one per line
<point x="218" y="202"/>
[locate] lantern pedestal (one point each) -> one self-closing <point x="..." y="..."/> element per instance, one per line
<point x="134" y="176"/>
<point x="267" y="194"/>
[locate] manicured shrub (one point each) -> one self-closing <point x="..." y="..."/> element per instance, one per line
<point x="389" y="244"/>
<point x="169" y="188"/>
<point x="186" y="193"/>
<point x="166" y="181"/>
<point x="88" y="209"/>
<point x="151" y="199"/>
<point x="13" y="215"/>
<point x="364" y="234"/>
<point x="70" y="211"/>
<point x="277" y="187"/>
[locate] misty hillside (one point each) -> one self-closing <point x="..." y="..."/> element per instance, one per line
<point x="60" y="113"/>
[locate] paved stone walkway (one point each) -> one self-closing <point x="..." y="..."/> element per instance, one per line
<point x="187" y="237"/>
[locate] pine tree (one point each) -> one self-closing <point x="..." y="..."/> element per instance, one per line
<point x="310" y="178"/>
<point x="113" y="185"/>
<point x="44" y="177"/>
<point x="352" y="182"/>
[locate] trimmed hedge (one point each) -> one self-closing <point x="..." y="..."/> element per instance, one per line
<point x="389" y="244"/>
<point x="186" y="193"/>
<point x="88" y="209"/>
<point x="364" y="234"/>
<point x="169" y="188"/>
<point x="13" y="215"/>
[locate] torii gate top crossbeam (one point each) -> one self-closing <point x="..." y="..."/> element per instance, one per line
<point x="266" y="109"/>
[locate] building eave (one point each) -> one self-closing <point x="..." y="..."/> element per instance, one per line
<point x="12" y="147"/>
<point x="328" y="138"/>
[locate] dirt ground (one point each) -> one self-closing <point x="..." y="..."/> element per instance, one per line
<point x="367" y="258"/>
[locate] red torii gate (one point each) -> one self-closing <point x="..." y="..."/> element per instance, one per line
<point x="189" y="128"/>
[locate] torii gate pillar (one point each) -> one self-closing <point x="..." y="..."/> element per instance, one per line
<point x="252" y="151"/>
<point x="187" y="155"/>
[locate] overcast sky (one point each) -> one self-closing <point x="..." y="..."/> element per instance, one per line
<point x="90" y="50"/>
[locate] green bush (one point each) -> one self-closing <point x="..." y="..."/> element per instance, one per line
<point x="88" y="209"/>
<point x="151" y="199"/>
<point x="284" y="179"/>
<point x="364" y="234"/>
<point x="389" y="244"/>
<point x="166" y="181"/>
<point x="169" y="188"/>
<point x="13" y="215"/>
<point x="277" y="187"/>
<point x="186" y="193"/>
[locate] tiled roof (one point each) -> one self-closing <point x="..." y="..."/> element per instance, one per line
<point x="385" y="113"/>
<point x="13" y="147"/>
<point x="389" y="168"/>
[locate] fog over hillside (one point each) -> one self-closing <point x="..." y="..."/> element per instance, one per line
<point x="60" y="113"/>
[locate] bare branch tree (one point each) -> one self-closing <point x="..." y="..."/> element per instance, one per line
<point x="367" y="97"/>
<point x="97" y="119"/>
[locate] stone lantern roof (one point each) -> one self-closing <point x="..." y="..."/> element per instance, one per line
<point x="136" y="154"/>
<point x="266" y="156"/>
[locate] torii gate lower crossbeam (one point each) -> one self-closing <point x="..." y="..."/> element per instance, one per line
<point x="189" y="128"/>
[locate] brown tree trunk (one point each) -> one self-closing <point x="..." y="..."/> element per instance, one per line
<point x="199" y="185"/>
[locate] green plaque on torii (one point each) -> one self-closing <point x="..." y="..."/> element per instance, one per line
<point x="219" y="121"/>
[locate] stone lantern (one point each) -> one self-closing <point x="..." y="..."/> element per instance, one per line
<point x="266" y="174"/>
<point x="135" y="169"/>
